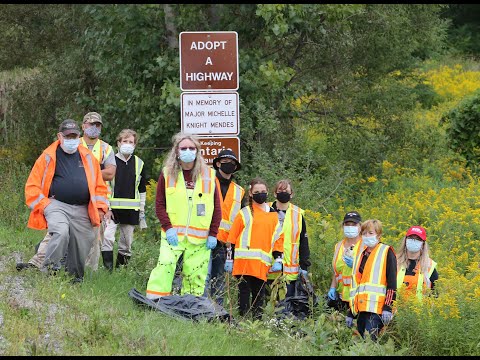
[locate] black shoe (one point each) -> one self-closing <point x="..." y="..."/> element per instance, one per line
<point x="107" y="257"/>
<point x="76" y="280"/>
<point x="21" y="266"/>
<point x="122" y="260"/>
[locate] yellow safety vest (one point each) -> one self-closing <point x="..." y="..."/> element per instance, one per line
<point x="369" y="291"/>
<point x="419" y="284"/>
<point x="191" y="215"/>
<point x="343" y="273"/>
<point x="101" y="150"/>
<point x="292" y="227"/>
<point x="125" y="203"/>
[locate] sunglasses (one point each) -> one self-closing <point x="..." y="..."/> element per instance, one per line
<point x="188" y="148"/>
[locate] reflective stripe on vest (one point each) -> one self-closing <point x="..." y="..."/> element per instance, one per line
<point x="233" y="198"/>
<point x="418" y="275"/>
<point x="243" y="251"/>
<point x="41" y="196"/>
<point x="183" y="209"/>
<point x="100" y="150"/>
<point x="124" y="203"/>
<point x="369" y="295"/>
<point x="291" y="232"/>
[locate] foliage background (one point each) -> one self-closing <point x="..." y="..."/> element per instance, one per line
<point x="367" y="107"/>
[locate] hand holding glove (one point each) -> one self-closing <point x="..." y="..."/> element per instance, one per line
<point x="277" y="265"/>
<point x="349" y="321"/>
<point x="172" y="237"/>
<point x="143" y="223"/>
<point x="386" y="317"/>
<point x="303" y="273"/>
<point x="332" y="293"/>
<point x="211" y="242"/>
<point x="228" y="265"/>
<point x="348" y="260"/>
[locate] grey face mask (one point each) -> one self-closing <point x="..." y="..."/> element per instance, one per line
<point x="93" y="132"/>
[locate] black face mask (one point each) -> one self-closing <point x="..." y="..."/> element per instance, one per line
<point x="283" y="197"/>
<point x="260" y="198"/>
<point x="228" y="168"/>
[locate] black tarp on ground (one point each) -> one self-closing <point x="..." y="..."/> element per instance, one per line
<point x="183" y="306"/>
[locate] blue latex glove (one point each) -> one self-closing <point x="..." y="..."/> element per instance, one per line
<point x="332" y="293"/>
<point x="277" y="266"/>
<point x="211" y="242"/>
<point x="348" y="260"/>
<point x="172" y="237"/>
<point x="303" y="273"/>
<point x="349" y="321"/>
<point x="228" y="266"/>
<point x="386" y="317"/>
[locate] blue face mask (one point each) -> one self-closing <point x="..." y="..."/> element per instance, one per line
<point x="187" y="156"/>
<point x="414" y="245"/>
<point x="351" y="231"/>
<point x="70" y="145"/>
<point x="92" y="132"/>
<point x="370" y="241"/>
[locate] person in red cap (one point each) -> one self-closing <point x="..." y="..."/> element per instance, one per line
<point x="415" y="269"/>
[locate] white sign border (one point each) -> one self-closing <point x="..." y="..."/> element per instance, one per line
<point x="211" y="93"/>
<point x="207" y="32"/>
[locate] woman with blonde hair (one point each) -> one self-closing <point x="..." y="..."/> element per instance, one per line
<point x="416" y="270"/>
<point x="374" y="281"/>
<point x="188" y="207"/>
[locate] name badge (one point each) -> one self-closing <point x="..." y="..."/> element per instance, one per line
<point x="200" y="209"/>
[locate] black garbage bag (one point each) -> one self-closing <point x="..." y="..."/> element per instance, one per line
<point x="183" y="306"/>
<point x="301" y="304"/>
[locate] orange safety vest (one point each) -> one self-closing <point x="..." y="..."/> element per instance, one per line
<point x="255" y="237"/>
<point x="230" y="207"/>
<point x="41" y="177"/>
<point x="412" y="281"/>
<point x="369" y="289"/>
<point x="343" y="274"/>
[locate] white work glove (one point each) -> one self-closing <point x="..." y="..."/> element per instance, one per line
<point x="143" y="223"/>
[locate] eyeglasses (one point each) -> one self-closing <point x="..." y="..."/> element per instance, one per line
<point x="191" y="148"/>
<point x="97" y="124"/>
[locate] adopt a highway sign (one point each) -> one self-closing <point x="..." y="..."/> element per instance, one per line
<point x="210" y="113"/>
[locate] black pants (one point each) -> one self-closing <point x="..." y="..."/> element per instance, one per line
<point x="217" y="275"/>
<point x="250" y="285"/>
<point x="369" y="322"/>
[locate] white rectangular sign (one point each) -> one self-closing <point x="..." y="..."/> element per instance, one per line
<point x="210" y="113"/>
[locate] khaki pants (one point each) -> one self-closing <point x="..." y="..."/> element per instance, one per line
<point x="71" y="233"/>
<point x="94" y="255"/>
<point x="125" y="240"/>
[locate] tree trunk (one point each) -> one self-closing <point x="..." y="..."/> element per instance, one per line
<point x="172" y="35"/>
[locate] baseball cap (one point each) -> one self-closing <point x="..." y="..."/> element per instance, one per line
<point x="68" y="127"/>
<point x="92" y="117"/>
<point x="352" y="216"/>
<point x="226" y="154"/>
<point x="419" y="231"/>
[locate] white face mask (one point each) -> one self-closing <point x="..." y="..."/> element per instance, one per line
<point x="351" y="231"/>
<point x="127" y="149"/>
<point x="414" y="245"/>
<point x="370" y="241"/>
<point x="70" y="145"/>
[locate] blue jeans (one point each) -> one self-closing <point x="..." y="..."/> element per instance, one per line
<point x="369" y="322"/>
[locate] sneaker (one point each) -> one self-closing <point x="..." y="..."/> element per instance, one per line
<point x="21" y="266"/>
